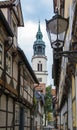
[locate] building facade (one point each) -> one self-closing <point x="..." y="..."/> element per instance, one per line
<point x="66" y="68"/>
<point x="39" y="111"/>
<point x="17" y="78"/>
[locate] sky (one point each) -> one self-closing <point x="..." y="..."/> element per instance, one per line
<point x="33" y="11"/>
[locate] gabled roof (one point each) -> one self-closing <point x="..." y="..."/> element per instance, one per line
<point x="17" y="4"/>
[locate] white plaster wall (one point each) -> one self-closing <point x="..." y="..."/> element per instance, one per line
<point x="36" y="60"/>
<point x="44" y="77"/>
<point x="44" y="73"/>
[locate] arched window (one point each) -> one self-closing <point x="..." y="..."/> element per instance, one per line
<point x="39" y="49"/>
<point x="39" y="66"/>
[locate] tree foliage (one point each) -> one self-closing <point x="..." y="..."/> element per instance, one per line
<point x="49" y="116"/>
<point x="48" y="100"/>
<point x="48" y="103"/>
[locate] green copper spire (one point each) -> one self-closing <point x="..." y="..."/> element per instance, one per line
<point x="39" y="33"/>
<point x="39" y="27"/>
<point x="39" y="44"/>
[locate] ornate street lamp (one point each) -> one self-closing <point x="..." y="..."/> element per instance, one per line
<point x="56" y="29"/>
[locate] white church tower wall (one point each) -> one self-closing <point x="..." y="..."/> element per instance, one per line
<point x="39" y="59"/>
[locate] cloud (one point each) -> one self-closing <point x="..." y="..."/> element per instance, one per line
<point x="34" y="10"/>
<point x="29" y="9"/>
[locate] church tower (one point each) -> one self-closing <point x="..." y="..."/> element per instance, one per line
<point x="39" y="61"/>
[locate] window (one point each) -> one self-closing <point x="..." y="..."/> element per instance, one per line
<point x="8" y="63"/>
<point x="40" y="79"/>
<point x="6" y="113"/>
<point x="26" y="87"/>
<point x="0" y="54"/>
<point x="35" y="50"/>
<point x="39" y="67"/>
<point x="39" y="49"/>
<point x="25" y="116"/>
<point x="17" y="114"/>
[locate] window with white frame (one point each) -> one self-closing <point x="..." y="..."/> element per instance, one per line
<point x="8" y="63"/>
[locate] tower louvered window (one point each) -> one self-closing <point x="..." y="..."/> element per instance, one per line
<point x="39" y="67"/>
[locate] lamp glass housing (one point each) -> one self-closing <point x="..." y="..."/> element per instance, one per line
<point x="56" y="29"/>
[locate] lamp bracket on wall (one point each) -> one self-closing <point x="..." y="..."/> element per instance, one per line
<point x="71" y="55"/>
